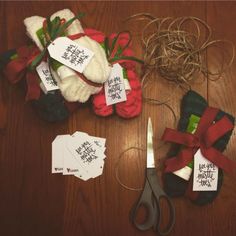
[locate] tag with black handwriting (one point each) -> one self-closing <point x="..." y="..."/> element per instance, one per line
<point x="70" y="53"/>
<point x="79" y="154"/>
<point x="114" y="86"/>
<point x="205" y="174"/>
<point x="46" y="77"/>
<point x="86" y="152"/>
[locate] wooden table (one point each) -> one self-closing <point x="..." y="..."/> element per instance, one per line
<point x="35" y="202"/>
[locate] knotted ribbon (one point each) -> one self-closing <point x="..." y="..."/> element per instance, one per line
<point x="54" y="29"/>
<point x="17" y="69"/>
<point x="29" y="57"/>
<point x="115" y="53"/>
<point x="207" y="133"/>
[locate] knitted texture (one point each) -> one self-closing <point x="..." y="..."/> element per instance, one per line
<point x="175" y="186"/>
<point x="72" y="86"/>
<point x="133" y="105"/>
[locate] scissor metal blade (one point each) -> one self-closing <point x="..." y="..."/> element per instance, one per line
<point x="150" y="152"/>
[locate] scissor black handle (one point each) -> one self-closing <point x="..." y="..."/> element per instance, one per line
<point x="171" y="221"/>
<point x="145" y="200"/>
<point x="150" y="199"/>
<point x="160" y="194"/>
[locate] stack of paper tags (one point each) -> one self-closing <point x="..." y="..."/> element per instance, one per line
<point x="79" y="154"/>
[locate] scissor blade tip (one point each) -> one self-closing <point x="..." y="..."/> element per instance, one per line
<point x="150" y="123"/>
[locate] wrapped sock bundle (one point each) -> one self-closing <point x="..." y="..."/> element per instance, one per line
<point x="175" y="186"/>
<point x="74" y="87"/>
<point x="50" y="106"/>
<point x="133" y="105"/>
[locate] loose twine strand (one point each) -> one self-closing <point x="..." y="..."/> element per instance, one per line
<point x="122" y="156"/>
<point x="177" y="55"/>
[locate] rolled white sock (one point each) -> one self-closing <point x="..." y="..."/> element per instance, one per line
<point x="98" y="68"/>
<point x="72" y="87"/>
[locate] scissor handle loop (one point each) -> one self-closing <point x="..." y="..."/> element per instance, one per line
<point x="158" y="195"/>
<point x="171" y="221"/>
<point x="145" y="200"/>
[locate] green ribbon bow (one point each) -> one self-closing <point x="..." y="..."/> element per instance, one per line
<point x="52" y="30"/>
<point x="114" y="52"/>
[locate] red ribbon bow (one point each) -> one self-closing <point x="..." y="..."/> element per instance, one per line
<point x="17" y="70"/>
<point x="207" y="133"/>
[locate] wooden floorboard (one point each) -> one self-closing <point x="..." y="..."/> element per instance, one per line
<point x="35" y="202"/>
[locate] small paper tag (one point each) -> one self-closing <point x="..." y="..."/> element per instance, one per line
<point x="70" y="53"/>
<point x="46" y="77"/>
<point x="80" y="155"/>
<point x="99" y="142"/>
<point x="57" y="154"/>
<point x="205" y="175"/>
<point x="84" y="151"/>
<point x="114" y="86"/>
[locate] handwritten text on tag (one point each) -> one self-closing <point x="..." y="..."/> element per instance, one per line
<point x="114" y="86"/>
<point x="46" y="77"/>
<point x="205" y="175"/>
<point x="70" y="53"/>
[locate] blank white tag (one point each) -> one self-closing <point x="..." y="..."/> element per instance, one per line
<point x="46" y="77"/>
<point x="114" y="86"/>
<point x="70" y="53"/>
<point x="70" y="164"/>
<point x="205" y="174"/>
<point x="57" y="154"/>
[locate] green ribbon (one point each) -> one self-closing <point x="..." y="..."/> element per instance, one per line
<point x="49" y="33"/>
<point x="118" y="55"/>
<point x="192" y="126"/>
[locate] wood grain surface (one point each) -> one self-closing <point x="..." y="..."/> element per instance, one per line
<point x="34" y="202"/>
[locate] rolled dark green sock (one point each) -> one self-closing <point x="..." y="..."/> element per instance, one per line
<point x="194" y="104"/>
<point x="6" y="57"/>
<point x="51" y="107"/>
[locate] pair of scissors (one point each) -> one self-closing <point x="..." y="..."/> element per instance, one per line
<point x="151" y="196"/>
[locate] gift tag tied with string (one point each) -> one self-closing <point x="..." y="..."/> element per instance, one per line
<point x="53" y="36"/>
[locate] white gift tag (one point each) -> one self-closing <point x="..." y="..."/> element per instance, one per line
<point x="205" y="174"/>
<point x="96" y="170"/>
<point x="70" y="53"/>
<point x="41" y="85"/>
<point x="80" y="155"/>
<point x="87" y="154"/>
<point x="57" y="154"/>
<point x="46" y="77"/>
<point x="114" y="86"/>
<point x="84" y="176"/>
<point x="100" y="142"/>
<point x="84" y="151"/>
<point x="70" y="166"/>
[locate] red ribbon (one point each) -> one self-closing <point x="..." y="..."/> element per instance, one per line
<point x="72" y="37"/>
<point x="17" y="70"/>
<point x="207" y="133"/>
